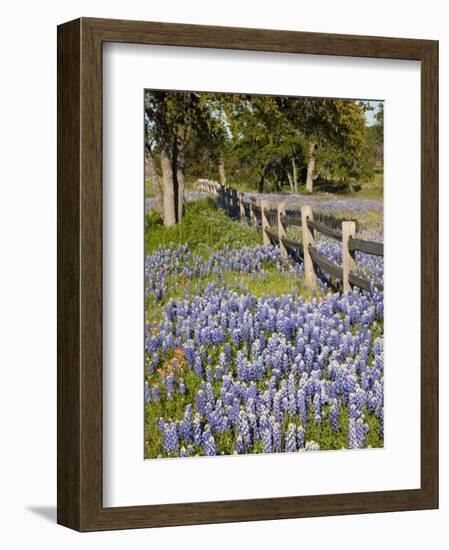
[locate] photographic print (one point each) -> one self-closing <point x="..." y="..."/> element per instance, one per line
<point x="263" y="274"/>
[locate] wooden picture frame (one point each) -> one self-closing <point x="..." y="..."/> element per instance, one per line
<point x="79" y="385"/>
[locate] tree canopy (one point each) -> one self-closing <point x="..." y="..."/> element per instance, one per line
<point x="259" y="141"/>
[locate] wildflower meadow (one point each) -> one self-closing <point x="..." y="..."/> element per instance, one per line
<point x="243" y="354"/>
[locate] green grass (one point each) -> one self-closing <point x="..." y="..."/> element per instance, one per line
<point x="373" y="189"/>
<point x="204" y="227"/>
<point x="274" y="282"/>
<point x="369" y="219"/>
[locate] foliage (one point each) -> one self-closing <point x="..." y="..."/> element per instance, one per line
<point x="267" y="142"/>
<point x="169" y="114"/>
<point x="204" y="227"/>
<point x="375" y="137"/>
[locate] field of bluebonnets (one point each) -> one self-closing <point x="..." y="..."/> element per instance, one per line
<point x="240" y="357"/>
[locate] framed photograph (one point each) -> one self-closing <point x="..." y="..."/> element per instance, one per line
<point x="247" y="274"/>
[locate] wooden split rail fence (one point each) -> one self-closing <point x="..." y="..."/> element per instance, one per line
<point x="273" y="223"/>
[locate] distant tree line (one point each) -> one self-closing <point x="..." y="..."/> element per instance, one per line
<point x="260" y="141"/>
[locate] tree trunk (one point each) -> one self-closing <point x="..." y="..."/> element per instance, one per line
<point x="151" y="169"/>
<point x="310" y="168"/>
<point x="290" y="181"/>
<point x="169" y="189"/>
<point x="295" y="175"/>
<point x="180" y="176"/>
<point x="261" y="184"/>
<point x="221" y="171"/>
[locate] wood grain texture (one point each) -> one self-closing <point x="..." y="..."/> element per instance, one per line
<point x="348" y="257"/>
<point x="281" y="231"/>
<point x="308" y="241"/>
<point x="202" y="36"/>
<point x="80" y="274"/>
<point x="369" y="247"/>
<point x="429" y="272"/>
<point x="68" y="317"/>
<point x="325" y="230"/>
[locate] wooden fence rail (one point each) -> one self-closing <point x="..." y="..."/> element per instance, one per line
<point x="291" y="220"/>
<point x="369" y="247"/>
<point x="273" y="223"/>
<point x="328" y="231"/>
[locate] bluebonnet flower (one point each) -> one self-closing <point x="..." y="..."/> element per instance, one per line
<point x="334" y="414"/>
<point x="361" y="429"/>
<point x="201" y="401"/>
<point x="147" y="392"/>
<point x="241" y="365"/>
<point x="189" y="351"/>
<point x="290" y="439"/>
<point x="317" y="405"/>
<point x="181" y="386"/>
<point x="227" y="354"/>
<point x="170" y="385"/>
<point x="244" y="428"/>
<point x="277" y="406"/>
<point x="300" y="437"/>
<point x="267" y="441"/>
<point x="171" y="443"/>
<point x="185" y="426"/>
<point x="277" y="435"/>
<point x="209" y="375"/>
<point x="209" y="442"/>
<point x="197" y="429"/>
<point x="353" y="440"/>
<point x="302" y="408"/>
<point x="239" y="444"/>
<point x="198" y="368"/>
<point x="155" y="393"/>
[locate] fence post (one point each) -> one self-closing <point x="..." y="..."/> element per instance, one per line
<point x="308" y="240"/>
<point x="252" y="214"/>
<point x="235" y="204"/>
<point x="348" y="257"/>
<point x="281" y="229"/>
<point x="241" y="206"/>
<point x="228" y="201"/>
<point x="224" y="193"/>
<point x="264" y="222"/>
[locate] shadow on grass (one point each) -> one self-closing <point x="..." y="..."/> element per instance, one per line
<point x="339" y="188"/>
